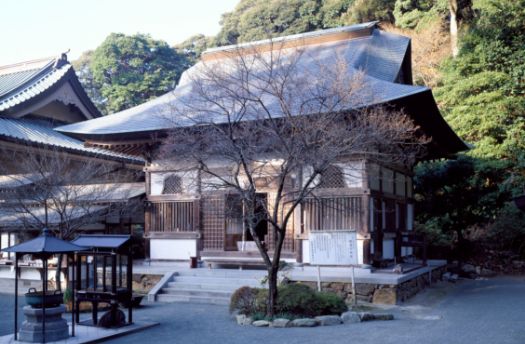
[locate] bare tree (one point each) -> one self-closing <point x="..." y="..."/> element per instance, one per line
<point x="279" y="119"/>
<point x="48" y="187"/>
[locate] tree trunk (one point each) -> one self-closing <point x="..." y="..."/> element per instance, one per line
<point x="58" y="277"/>
<point x="453" y="8"/>
<point x="273" y="272"/>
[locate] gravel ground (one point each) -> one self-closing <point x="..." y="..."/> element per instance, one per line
<point x="485" y="311"/>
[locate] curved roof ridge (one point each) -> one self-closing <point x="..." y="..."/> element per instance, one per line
<point x="27" y="65"/>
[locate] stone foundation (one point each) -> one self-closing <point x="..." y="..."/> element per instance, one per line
<point x="56" y="327"/>
<point x="389" y="294"/>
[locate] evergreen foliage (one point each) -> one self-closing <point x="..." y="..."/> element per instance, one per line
<point x="480" y="92"/>
<point x="481" y="96"/>
<point x="125" y="71"/>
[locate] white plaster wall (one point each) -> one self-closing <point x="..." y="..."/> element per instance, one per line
<point x="360" y="251"/>
<point x="175" y="249"/>
<point x="306" y="251"/>
<point x="388" y="249"/>
<point x="189" y="179"/>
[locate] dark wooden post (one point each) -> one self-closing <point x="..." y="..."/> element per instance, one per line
<point x="104" y="273"/>
<point x="95" y="272"/>
<point x="78" y="286"/>
<point x="120" y="270"/>
<point x="130" y="285"/>
<point x="16" y="296"/>
<point x="87" y="273"/>
<point x="73" y="295"/>
<point x="114" y="302"/>
<point x="44" y="292"/>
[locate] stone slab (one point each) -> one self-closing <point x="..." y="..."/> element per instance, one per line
<point x="90" y="334"/>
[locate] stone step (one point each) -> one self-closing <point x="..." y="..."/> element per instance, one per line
<point x="193" y="292"/>
<point x="193" y="299"/>
<point x="217" y="280"/>
<point x="223" y="273"/>
<point x="197" y="286"/>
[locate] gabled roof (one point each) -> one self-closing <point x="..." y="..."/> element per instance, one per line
<point x="381" y="57"/>
<point x="26" y="83"/>
<point x="378" y="54"/>
<point x="40" y="132"/>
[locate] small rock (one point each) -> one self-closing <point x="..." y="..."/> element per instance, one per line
<point x="468" y="268"/>
<point x="383" y="316"/>
<point x="365" y="316"/>
<point x="386" y="296"/>
<point x="280" y="322"/>
<point x="261" y="323"/>
<point x="350" y="317"/>
<point x="328" y="320"/>
<point x="243" y="320"/>
<point x="487" y="273"/>
<point x="304" y="322"/>
<point x="364" y="289"/>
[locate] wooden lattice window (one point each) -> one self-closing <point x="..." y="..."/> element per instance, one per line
<point x="332" y="177"/>
<point x="173" y="217"/>
<point x="337" y="213"/>
<point x="172" y="185"/>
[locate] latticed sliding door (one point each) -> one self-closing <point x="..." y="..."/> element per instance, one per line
<point x="213" y="221"/>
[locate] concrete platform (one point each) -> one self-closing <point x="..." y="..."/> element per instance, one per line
<point x="90" y="334"/>
<point x="379" y="276"/>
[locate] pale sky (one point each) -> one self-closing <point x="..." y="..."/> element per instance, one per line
<point x="31" y="29"/>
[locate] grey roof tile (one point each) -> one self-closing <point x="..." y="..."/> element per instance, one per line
<point x="379" y="56"/>
<point x="41" y="132"/>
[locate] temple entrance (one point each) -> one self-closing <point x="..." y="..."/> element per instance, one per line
<point x="237" y="234"/>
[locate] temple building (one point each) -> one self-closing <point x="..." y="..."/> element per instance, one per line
<point x="183" y="220"/>
<point x="35" y="97"/>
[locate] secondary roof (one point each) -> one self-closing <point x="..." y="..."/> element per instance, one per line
<point x="24" y="85"/>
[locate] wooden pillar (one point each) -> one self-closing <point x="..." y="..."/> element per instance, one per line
<point x="95" y="272"/>
<point x="44" y="292"/>
<point x="367" y="256"/>
<point x="129" y="280"/>
<point x="16" y="296"/>
<point x="72" y="294"/>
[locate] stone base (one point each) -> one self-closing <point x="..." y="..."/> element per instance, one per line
<point x="389" y="294"/>
<point x="56" y="328"/>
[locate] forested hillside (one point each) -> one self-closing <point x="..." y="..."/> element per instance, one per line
<point x="470" y="52"/>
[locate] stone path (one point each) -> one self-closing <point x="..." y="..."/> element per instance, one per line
<point x="482" y="312"/>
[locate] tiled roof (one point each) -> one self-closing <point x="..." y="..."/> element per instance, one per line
<point x="22" y="82"/>
<point x="41" y="132"/>
<point x="378" y="55"/>
<point x="31" y="81"/>
<point x="13" y="76"/>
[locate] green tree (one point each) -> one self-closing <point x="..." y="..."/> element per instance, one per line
<point x="261" y="19"/>
<point x="85" y="75"/>
<point x="362" y="11"/>
<point x="129" y="70"/>
<point x="410" y="14"/>
<point x="193" y="47"/>
<point x="482" y="97"/>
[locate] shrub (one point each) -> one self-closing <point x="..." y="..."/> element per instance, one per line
<point x="297" y="299"/>
<point x="243" y="300"/>
<point x="330" y="303"/>
<point x="247" y="300"/>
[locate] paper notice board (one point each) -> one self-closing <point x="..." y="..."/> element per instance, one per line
<point x="333" y="248"/>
